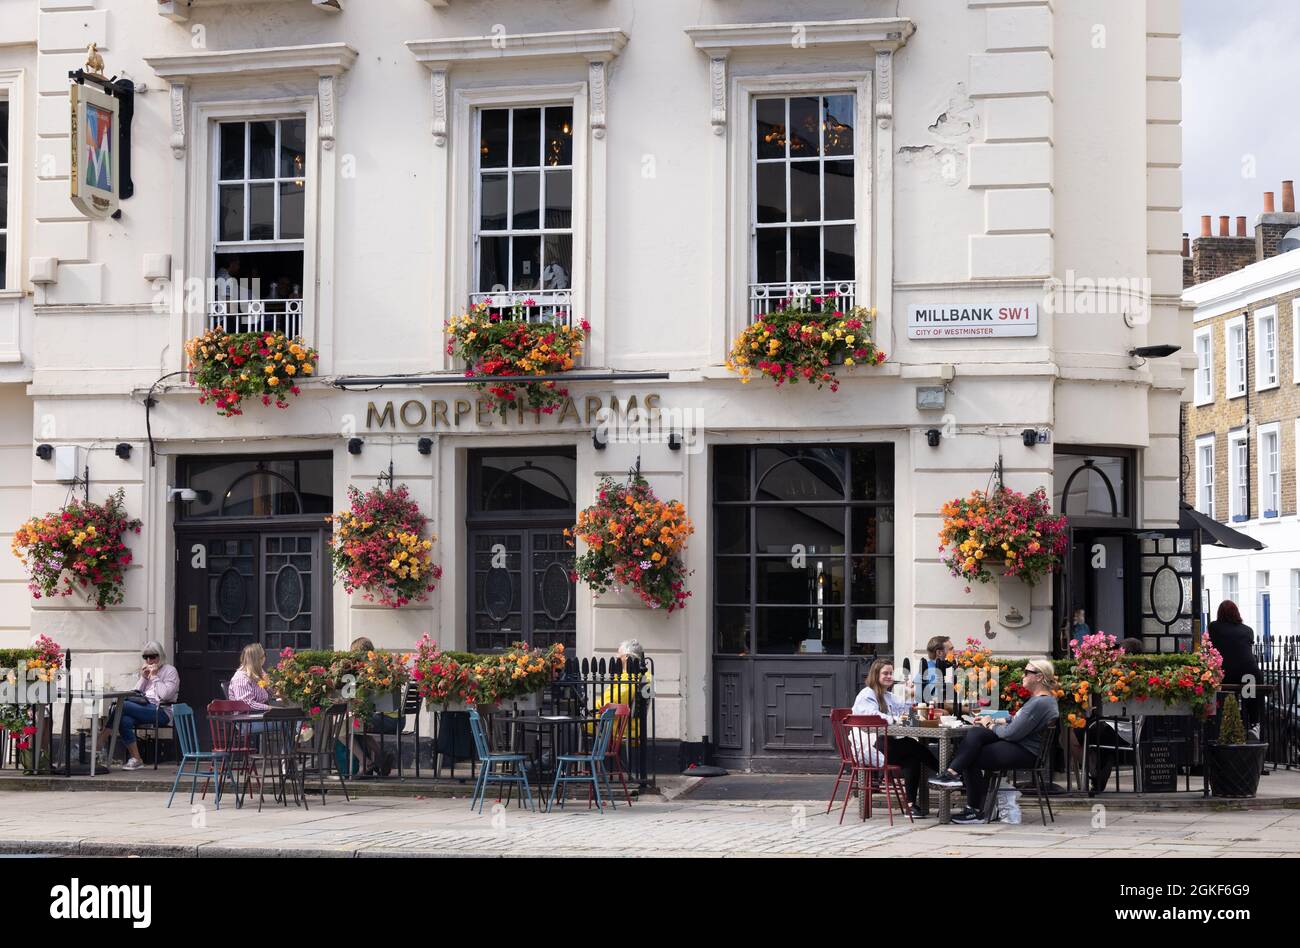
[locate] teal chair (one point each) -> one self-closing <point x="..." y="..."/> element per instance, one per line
<point x="588" y="768"/>
<point x="512" y="765"/>
<point x="188" y="736"/>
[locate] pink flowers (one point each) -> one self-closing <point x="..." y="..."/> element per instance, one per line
<point x="379" y="547"/>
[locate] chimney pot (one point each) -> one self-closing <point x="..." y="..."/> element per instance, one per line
<point x="1205" y="225"/>
<point x="1288" y="197"/>
<point x="1268" y="202"/>
<point x="1187" y="245"/>
<point x="1241" y="227"/>
<point x="1223" y="225"/>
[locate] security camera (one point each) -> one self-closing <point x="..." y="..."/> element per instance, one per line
<point x="185" y="494"/>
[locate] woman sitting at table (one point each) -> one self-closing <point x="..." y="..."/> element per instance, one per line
<point x="158" y="684"/>
<point x="877" y="698"/>
<point x="248" y="683"/>
<point x="364" y="747"/>
<point x="1001" y="744"/>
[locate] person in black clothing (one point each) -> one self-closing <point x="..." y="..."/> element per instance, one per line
<point x="1236" y="643"/>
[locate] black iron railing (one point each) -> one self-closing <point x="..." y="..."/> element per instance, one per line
<point x="589" y="684"/>
<point x="1279" y="661"/>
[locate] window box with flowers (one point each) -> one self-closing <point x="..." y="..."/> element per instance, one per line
<point x="806" y="339"/>
<point x="232" y="367"/>
<point x="379" y="547"/>
<point x="79" y="545"/>
<point x="499" y="348"/>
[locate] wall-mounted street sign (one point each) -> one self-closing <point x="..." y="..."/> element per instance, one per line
<point x="101" y="138"/>
<point x="971" y="321"/>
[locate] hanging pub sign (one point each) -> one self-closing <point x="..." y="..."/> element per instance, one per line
<point x="100" y="140"/>
<point x="967" y="321"/>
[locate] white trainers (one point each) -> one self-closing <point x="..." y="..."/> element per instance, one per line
<point x="135" y="763"/>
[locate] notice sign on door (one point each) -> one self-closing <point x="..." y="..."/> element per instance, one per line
<point x="969" y="322"/>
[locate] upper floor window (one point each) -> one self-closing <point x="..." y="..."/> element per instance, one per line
<point x="1238" y="466"/>
<point x="1236" y="346"/>
<point x="1270" y="472"/>
<point x="1266" y="375"/>
<point x="804" y="219"/>
<point x="259" y="225"/>
<point x="1205" y="365"/>
<point x="4" y="191"/>
<point x="523" y="226"/>
<point x="1205" y="476"/>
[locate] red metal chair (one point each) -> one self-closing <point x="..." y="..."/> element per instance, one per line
<point x="866" y="737"/>
<point x="846" y="763"/>
<point x="614" y="756"/>
<point x="243" y="763"/>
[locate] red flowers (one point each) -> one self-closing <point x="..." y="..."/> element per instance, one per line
<point x="80" y="545"/>
<point x="1005" y="529"/>
<point x="805" y="340"/>
<point x="379" y="547"/>
<point x="231" y="367"/>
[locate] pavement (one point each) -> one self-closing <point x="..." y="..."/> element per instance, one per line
<point x="93" y="822"/>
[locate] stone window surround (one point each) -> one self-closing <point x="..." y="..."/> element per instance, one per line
<point x="1267" y="502"/>
<point x="740" y="67"/>
<point x="1262" y="382"/>
<point x="1235" y="388"/>
<point x="455" y="165"/>
<point x="1205" y="397"/>
<point x="1206" y="441"/>
<point x="11" y="91"/>
<point x="207" y="87"/>
<point x="1237" y="474"/>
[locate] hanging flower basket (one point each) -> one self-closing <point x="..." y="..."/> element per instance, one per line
<point x="230" y="367"/>
<point x="634" y="539"/>
<point x="79" y="545"/>
<point x="496" y="350"/>
<point x="806" y="339"/>
<point x="379" y="547"/>
<point x="1007" y="531"/>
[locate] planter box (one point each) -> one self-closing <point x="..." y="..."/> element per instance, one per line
<point x="386" y="702"/>
<point x="532" y="702"/>
<point x="1149" y="708"/>
<point x="462" y="706"/>
<point x="1235" y="768"/>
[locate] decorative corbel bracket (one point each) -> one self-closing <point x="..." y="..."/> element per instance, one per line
<point x="718" y="89"/>
<point x="596" y="81"/>
<point x="438" y="85"/>
<point x="326" y="93"/>
<point x="178" y="91"/>
<point x="884" y="87"/>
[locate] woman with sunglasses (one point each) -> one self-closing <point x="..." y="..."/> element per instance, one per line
<point x="1002" y="745"/>
<point x="158" y="684"/>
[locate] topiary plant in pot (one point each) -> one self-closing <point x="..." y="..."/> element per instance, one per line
<point x="1235" y="763"/>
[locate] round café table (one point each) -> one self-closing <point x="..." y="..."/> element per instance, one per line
<point x="947" y="738"/>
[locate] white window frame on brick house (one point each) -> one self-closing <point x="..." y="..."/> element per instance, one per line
<point x="1267" y="374"/>
<point x="1231" y="587"/>
<point x="1205" y="475"/>
<point x="1295" y="341"/>
<point x="1234" y="348"/>
<point x="248" y="85"/>
<point x="1238" y="473"/>
<point x="1204" y="344"/>
<point x="11" y="93"/>
<point x="1268" y="441"/>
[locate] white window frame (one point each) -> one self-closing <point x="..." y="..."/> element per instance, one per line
<point x="589" y="192"/>
<point x="1235" y="385"/>
<point x="1295" y="341"/>
<point x="1231" y="587"/>
<point x="11" y="91"/>
<point x="1237" y="477"/>
<point x="1205" y="475"/>
<point x="1267" y="371"/>
<point x="1204" y="347"/>
<point x="743" y="93"/>
<point x="1270" y="494"/>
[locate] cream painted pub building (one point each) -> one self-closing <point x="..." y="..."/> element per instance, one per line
<point x="975" y="171"/>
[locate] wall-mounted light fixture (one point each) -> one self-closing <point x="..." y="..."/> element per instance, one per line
<point x="597" y="441"/>
<point x="354" y="445"/>
<point x="674" y="441"/>
<point x="1142" y="353"/>
<point x="424" y="445"/>
<point x="123" y="450"/>
<point x="45" y="451"/>
<point x="1029" y="436"/>
<point x="933" y="436"/>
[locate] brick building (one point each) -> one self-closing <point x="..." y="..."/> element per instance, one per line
<point x="1241" y="433"/>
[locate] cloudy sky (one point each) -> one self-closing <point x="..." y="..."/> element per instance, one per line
<point x="1241" y="93"/>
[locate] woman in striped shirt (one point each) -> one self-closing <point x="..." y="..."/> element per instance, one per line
<point x="247" y="684"/>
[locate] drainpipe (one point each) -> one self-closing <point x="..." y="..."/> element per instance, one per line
<point x="1246" y="374"/>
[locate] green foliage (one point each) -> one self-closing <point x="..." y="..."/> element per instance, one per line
<point x="1232" y="730"/>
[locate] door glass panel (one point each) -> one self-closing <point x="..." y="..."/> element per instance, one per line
<point x="497" y="616"/>
<point x="554" y="619"/>
<point x="793" y="631"/>
<point x="289" y="563"/>
<point x="270" y="487"/>
<point x="516" y="483"/>
<point x="232" y="594"/>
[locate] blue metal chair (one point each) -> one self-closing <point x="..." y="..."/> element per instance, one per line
<point x="512" y="774"/>
<point x="188" y="735"/>
<point x="592" y="765"/>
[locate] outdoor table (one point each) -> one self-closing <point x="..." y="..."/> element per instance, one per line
<point x="97" y="698"/>
<point x="277" y="753"/>
<point x="947" y="737"/>
<point x="565" y="734"/>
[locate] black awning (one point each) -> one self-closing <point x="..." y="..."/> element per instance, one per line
<point x="1214" y="533"/>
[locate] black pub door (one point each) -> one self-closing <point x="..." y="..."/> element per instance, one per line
<point x="251" y="566"/>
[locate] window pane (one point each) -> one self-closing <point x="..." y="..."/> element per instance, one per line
<point x="293" y="148"/>
<point x="770" y="197"/>
<point x="839" y="253"/>
<point x="493" y="264"/>
<point x="872" y="530"/>
<point x="231" y="212"/>
<point x="495" y="136"/>
<point x="527" y="148"/>
<point x="4" y="132"/>
<point x="805" y="254"/>
<point x="4" y="196"/>
<point x="873" y="580"/>
<point x="512" y="482"/>
<point x="527" y="200"/>
<point x="873" y="472"/>
<point x="839" y="190"/>
<point x="291" y="210"/>
<point x="770" y="263"/>
<point x="769" y="131"/>
<point x="232" y="151"/>
<point x="261" y="149"/>
<point x="557" y="267"/>
<point x="731" y="530"/>
<point x="780" y="583"/>
<point x="837" y="125"/>
<point x="784" y="631"/>
<point x="525" y="269"/>
<point x="883" y="614"/>
<point x="804" y="131"/>
<point x="818" y="529"/>
<point x="4" y="257"/>
<point x="731" y="473"/>
<point x="800" y="474"/>
<point x="559" y="135"/>
<point x="261" y="212"/>
<point x="492" y="202"/>
<point x="559" y="200"/>
<point x="731" y="631"/>
<point x="733" y="579"/>
<point x="805" y="191"/>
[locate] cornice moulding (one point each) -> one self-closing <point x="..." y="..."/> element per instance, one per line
<point x="578" y="45"/>
<point x="325" y="59"/>
<point x="876" y="33"/>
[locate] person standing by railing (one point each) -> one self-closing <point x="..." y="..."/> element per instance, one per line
<point x="1235" y="641"/>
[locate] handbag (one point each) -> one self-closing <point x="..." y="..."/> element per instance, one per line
<point x="137" y="697"/>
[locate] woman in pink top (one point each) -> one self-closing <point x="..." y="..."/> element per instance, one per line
<point x="159" y="683"/>
<point x="246" y="683"/>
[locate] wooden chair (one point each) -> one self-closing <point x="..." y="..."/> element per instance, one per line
<point x="867" y="739"/>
